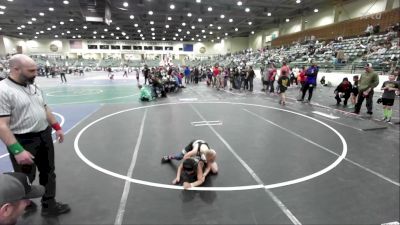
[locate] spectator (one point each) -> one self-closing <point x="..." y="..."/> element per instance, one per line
<point x="343" y="90"/>
<point x="368" y="81"/>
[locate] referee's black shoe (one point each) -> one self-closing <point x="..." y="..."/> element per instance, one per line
<point x="55" y="209"/>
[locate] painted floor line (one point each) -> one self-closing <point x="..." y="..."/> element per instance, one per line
<point x="330" y="116"/>
<point x="326" y="149"/>
<point x="284" y="209"/>
<point x="216" y="121"/>
<point x="208" y="124"/>
<point x="94" y="101"/>
<point x="124" y="198"/>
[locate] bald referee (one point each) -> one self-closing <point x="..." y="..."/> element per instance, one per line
<point x="25" y="127"/>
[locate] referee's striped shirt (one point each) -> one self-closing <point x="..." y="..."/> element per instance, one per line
<point x="24" y="105"/>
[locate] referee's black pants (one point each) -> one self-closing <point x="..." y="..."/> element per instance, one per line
<point x="40" y="145"/>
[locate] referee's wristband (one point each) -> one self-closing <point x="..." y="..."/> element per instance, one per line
<point x="15" y="148"/>
<point x="56" y="126"/>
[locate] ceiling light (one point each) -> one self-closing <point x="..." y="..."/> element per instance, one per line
<point x="200" y="20"/>
<point x="127" y="37"/>
<point x="73" y="37"/>
<point x="152" y="29"/>
<point x="112" y="34"/>
<point x="218" y="38"/>
<point x="41" y="14"/>
<point x="247" y="9"/>
<point x="316" y="10"/>
<point x="189" y="14"/>
<point x="211" y="25"/>
<point x="269" y="14"/>
<point x="150" y="13"/>
<point x="212" y="40"/>
<point x="37" y="32"/>
<point x="35" y="36"/>
<point x="222" y="16"/>
<point x="192" y="39"/>
<point x="125" y="4"/>
<point x="167" y="26"/>
<point x="226" y="34"/>
<point x="139" y="31"/>
<point x="48" y="28"/>
<point x="141" y="35"/>
<point x="230" y="20"/>
<point x="135" y="25"/>
<point x="169" y="18"/>
<point x="209" y="9"/>
<point x="29" y="22"/>
<point x="183" y="24"/>
<point x="102" y="36"/>
<point x="219" y="28"/>
<point x="153" y="38"/>
<point x="62" y="33"/>
<point x="84" y="27"/>
<point x="33" y="19"/>
<point x="117" y="28"/>
<point x="172" y="6"/>
<point x="198" y="1"/>
<point x="53" y="27"/>
<point x="239" y="3"/>
<point x="181" y="39"/>
<point x="287" y="20"/>
<point x="143" y="38"/>
<point x="187" y="32"/>
<point x="94" y="37"/>
<point x="105" y="29"/>
<point x="298" y="1"/>
<point x="19" y="28"/>
<point x="1" y="12"/>
<point x="197" y="35"/>
<point x="204" y="36"/>
<point x="236" y="29"/>
<point x="179" y="30"/>
<point x="151" y="22"/>
<point x="123" y="33"/>
<point x="250" y="23"/>
<point x="153" y="34"/>
<point x="2" y="7"/>
<point x="61" y="22"/>
<point x="203" y="31"/>
<point x="252" y="32"/>
<point x="79" y="36"/>
<point x="117" y="38"/>
<point x="41" y="32"/>
<point x="71" y="20"/>
<point x="20" y="33"/>
<point x="132" y="17"/>
<point x="56" y="36"/>
<point x="163" y="38"/>
<point x="211" y="32"/>
<point x="174" y="38"/>
<point x="177" y="35"/>
<point x="23" y="26"/>
<point x="66" y="2"/>
<point x="193" y="27"/>
<point x="51" y="9"/>
<point x="94" y="32"/>
<point x="68" y="31"/>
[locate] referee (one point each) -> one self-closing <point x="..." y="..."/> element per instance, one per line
<point x="25" y="127"/>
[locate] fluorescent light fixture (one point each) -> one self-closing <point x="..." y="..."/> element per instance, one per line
<point x="93" y="19"/>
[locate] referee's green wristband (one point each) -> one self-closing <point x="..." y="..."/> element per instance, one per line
<point x="15" y="148"/>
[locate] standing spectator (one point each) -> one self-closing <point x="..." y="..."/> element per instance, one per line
<point x="283" y="84"/>
<point x="368" y="81"/>
<point x="389" y="94"/>
<point x="369" y="30"/>
<point x="146" y="73"/>
<point x="62" y="75"/>
<point x="354" y="91"/>
<point x="187" y="75"/>
<point x="343" y="90"/>
<point x="125" y="72"/>
<point x="272" y="73"/>
<point x="15" y="194"/>
<point x="215" y="75"/>
<point x="25" y="128"/>
<point x="251" y="77"/>
<point x="311" y="82"/>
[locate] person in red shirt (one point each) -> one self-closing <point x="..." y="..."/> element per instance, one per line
<point x="271" y="73"/>
<point x="215" y="75"/>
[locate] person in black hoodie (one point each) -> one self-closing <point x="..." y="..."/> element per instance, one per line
<point x="343" y="90"/>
